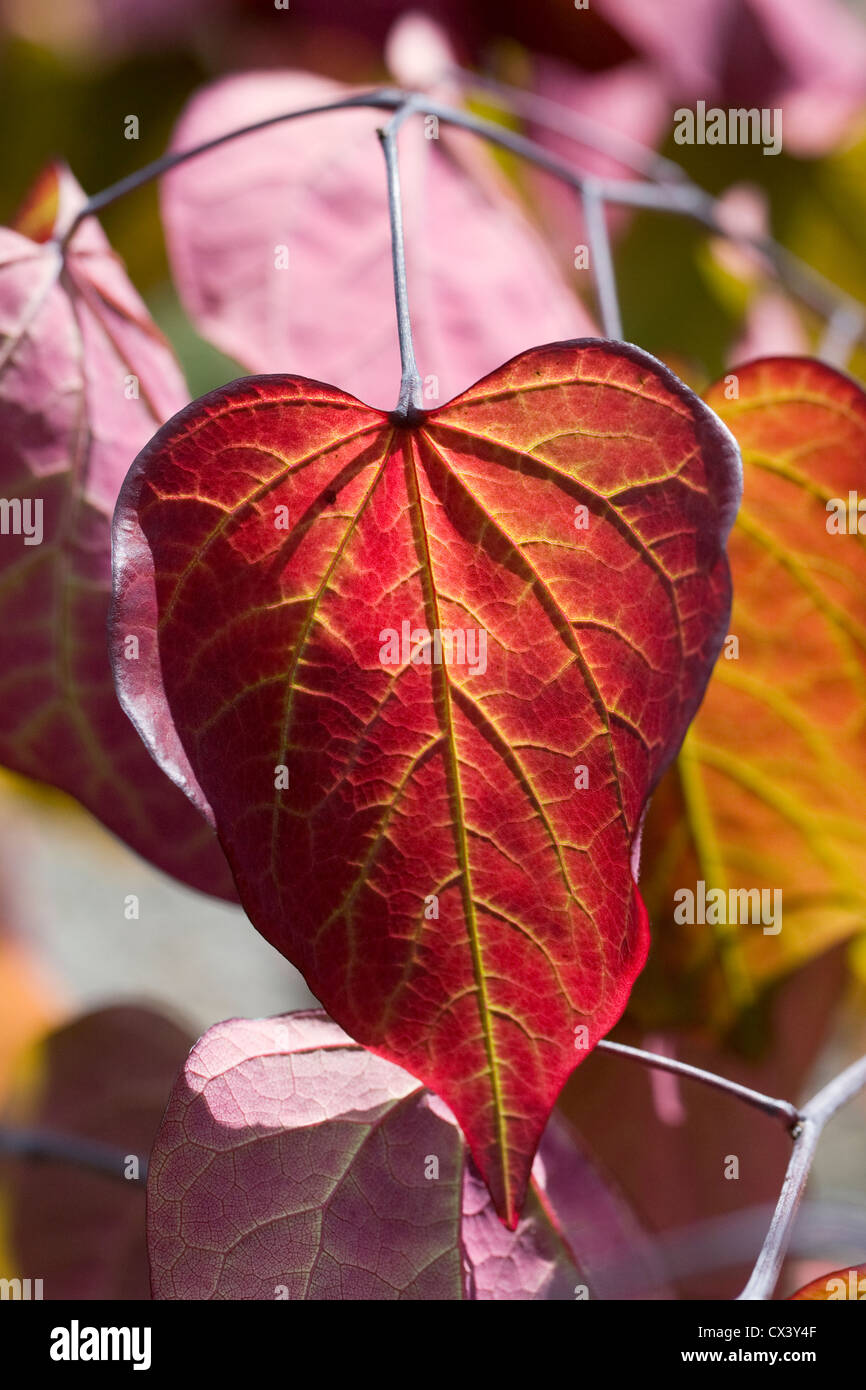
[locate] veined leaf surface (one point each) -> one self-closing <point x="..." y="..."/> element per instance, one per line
<point x="291" y="1163"/>
<point x="85" y="378"/>
<point x="769" y="791"/>
<point x="442" y="838"/>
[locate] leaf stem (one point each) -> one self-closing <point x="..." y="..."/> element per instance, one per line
<point x="409" y="401"/>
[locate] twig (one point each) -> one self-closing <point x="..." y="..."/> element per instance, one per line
<point x="843" y="329"/>
<point x="847" y="324"/>
<point x="781" y="1109"/>
<point x="574" y="125"/>
<point x="601" y="262"/>
<point x="409" y="400"/>
<point x="806" y="1125"/>
<point x="43" y="1144"/>
<point x="386" y="98"/>
<point x="815" y="1115"/>
<point x="681" y="197"/>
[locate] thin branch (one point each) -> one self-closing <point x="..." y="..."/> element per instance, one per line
<point x="680" y="197"/>
<point x="43" y="1144"/>
<point x="837" y="1092"/>
<point x="806" y="1126"/>
<point x="384" y="97"/>
<point x="668" y="189"/>
<point x="815" y="1116"/>
<point x="574" y="125"/>
<point x="847" y="315"/>
<point x="601" y="262"/>
<point x="409" y="402"/>
<point x="781" y="1109"/>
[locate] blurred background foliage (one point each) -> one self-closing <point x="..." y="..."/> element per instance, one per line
<point x="77" y="70"/>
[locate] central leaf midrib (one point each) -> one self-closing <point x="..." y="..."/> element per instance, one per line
<point x="563" y="625"/>
<point x="462" y="846"/>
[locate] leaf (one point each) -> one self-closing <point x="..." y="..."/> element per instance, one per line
<point x="415" y="837"/>
<point x="630" y="105"/>
<point x="313" y="193"/>
<point x="292" y="1163"/>
<point x="807" y="59"/>
<point x="75" y="344"/>
<point x="103" y="1081"/>
<point x="769" y="791"/>
<point x="418" y="52"/>
<point x="841" y="1283"/>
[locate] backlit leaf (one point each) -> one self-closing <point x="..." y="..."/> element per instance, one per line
<point x="769" y="791"/>
<point x="439" y="832"/>
<point x="293" y="1164"/>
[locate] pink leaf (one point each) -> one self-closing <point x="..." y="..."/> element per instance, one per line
<point x="291" y="1163"/>
<point x="629" y="106"/>
<point x="312" y="193"/>
<point x="627" y="102"/>
<point x="808" y="58"/>
<point x="85" y="378"/>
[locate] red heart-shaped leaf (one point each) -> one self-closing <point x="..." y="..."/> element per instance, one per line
<point x="423" y="679"/>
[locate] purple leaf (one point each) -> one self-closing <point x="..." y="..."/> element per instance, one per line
<point x="291" y="1163"/>
<point x="97" y="1084"/>
<point x="85" y="379"/>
